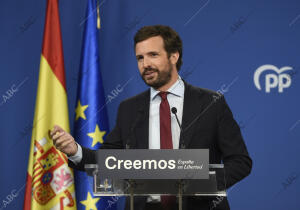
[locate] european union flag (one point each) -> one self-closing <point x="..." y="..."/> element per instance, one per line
<point x="91" y="122"/>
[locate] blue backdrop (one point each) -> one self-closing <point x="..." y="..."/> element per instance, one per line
<point x="225" y="44"/>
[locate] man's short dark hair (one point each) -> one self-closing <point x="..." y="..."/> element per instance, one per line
<point x="172" y="41"/>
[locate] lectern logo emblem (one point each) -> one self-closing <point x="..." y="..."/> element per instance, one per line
<point x="278" y="79"/>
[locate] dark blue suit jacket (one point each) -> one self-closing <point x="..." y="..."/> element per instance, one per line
<point x="207" y="123"/>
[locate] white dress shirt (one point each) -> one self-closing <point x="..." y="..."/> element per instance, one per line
<point x="175" y="99"/>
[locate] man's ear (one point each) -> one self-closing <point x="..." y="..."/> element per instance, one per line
<point x="174" y="57"/>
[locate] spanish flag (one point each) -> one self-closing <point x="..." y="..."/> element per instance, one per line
<point x="50" y="182"/>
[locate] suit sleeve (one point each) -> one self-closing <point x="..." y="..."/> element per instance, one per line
<point x="113" y="141"/>
<point x="237" y="163"/>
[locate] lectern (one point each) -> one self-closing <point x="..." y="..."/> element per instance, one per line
<point x="186" y="182"/>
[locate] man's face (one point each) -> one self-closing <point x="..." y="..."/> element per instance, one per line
<point x="154" y="65"/>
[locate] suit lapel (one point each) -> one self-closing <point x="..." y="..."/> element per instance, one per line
<point x="142" y="128"/>
<point x="191" y="109"/>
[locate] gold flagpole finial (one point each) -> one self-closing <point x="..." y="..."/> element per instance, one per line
<point x="98" y="15"/>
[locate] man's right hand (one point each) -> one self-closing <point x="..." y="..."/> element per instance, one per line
<point x="63" y="141"/>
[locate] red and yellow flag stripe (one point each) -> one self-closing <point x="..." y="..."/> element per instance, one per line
<point x="50" y="182"/>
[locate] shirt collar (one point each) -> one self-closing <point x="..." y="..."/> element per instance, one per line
<point x="176" y="89"/>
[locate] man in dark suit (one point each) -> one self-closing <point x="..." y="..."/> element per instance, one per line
<point x="146" y="122"/>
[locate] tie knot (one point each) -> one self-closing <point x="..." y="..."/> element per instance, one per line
<point x="163" y="95"/>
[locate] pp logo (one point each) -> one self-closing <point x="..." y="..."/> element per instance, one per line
<point x="273" y="80"/>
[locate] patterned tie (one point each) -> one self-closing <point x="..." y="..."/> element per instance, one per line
<point x="168" y="202"/>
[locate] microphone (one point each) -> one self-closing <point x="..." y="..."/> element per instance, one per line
<point x="174" y="111"/>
